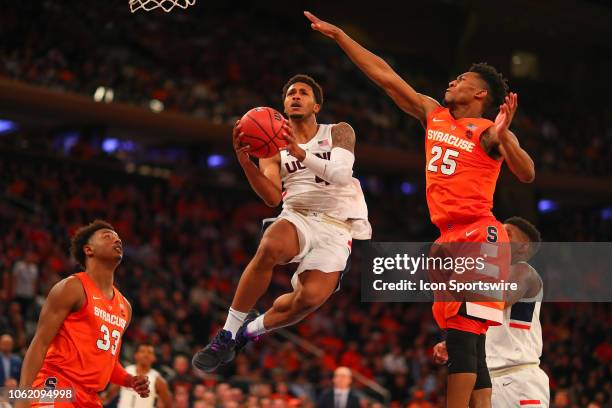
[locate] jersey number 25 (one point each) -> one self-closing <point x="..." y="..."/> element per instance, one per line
<point x="448" y="164"/>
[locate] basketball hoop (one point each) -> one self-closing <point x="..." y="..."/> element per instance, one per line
<point x="166" y="5"/>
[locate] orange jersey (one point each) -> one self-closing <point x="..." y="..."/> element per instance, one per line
<point x="460" y="176"/>
<point x="86" y="347"/>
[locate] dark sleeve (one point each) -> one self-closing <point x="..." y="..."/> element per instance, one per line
<point x="325" y="401"/>
<point x="353" y="400"/>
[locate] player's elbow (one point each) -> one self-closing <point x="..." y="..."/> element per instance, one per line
<point x="341" y="177"/>
<point x="344" y="179"/>
<point x="528" y="175"/>
<point x="273" y="201"/>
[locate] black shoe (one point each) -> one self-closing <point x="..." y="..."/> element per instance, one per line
<point x="221" y="350"/>
<point x="242" y="339"/>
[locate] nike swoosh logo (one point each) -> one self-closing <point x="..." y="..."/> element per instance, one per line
<point x="96" y="298"/>
<point x="507" y="384"/>
<point x="438" y="120"/>
<point x="467" y="234"/>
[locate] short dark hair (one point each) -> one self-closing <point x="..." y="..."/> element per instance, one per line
<point x="316" y="88"/>
<point x="81" y="238"/>
<point x="535" y="238"/>
<point x="144" y="344"/>
<point x="497" y="86"/>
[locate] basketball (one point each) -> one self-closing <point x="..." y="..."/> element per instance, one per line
<point x="262" y="128"/>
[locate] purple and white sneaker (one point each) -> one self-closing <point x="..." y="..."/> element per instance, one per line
<point x="242" y="338"/>
<point x="221" y="350"/>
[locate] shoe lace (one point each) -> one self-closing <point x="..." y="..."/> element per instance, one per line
<point x="220" y="341"/>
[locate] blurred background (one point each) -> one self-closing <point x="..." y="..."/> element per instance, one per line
<point x="127" y="117"/>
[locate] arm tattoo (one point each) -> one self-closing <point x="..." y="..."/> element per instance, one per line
<point x="343" y="136"/>
<point x="490" y="144"/>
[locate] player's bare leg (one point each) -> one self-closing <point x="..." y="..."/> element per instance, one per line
<point x="279" y="244"/>
<point x="481" y="398"/>
<point x="460" y="387"/>
<point x="316" y="287"/>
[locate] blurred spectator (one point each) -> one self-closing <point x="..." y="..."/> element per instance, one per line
<point x="418" y="400"/>
<point x="25" y="278"/>
<point x="10" y="367"/>
<point x="341" y="395"/>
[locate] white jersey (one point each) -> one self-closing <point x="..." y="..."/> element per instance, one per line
<point x="130" y="399"/>
<point x="518" y="340"/>
<point x="303" y="190"/>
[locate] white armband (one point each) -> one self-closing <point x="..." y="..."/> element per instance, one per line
<point x="337" y="170"/>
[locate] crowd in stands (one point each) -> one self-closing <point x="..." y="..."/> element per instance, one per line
<point x="185" y="246"/>
<point x="192" y="63"/>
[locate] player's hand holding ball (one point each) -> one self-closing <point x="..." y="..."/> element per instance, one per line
<point x="240" y="147"/>
<point x="140" y="384"/>
<point x="260" y="133"/>
<point x="293" y="148"/>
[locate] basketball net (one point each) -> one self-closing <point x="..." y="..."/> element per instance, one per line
<point x="166" y="5"/>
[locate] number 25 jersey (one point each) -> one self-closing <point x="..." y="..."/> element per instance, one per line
<point x="87" y="344"/>
<point x="460" y="176"/>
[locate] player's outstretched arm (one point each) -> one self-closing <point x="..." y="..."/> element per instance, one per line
<point x="265" y="180"/>
<point x="66" y="296"/>
<point x="378" y="70"/>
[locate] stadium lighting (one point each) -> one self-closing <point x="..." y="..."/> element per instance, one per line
<point x="99" y="94"/>
<point x="606" y="213"/>
<point x="110" y="145"/>
<point x="408" y="188"/>
<point x="109" y="95"/>
<point x="156" y="105"/>
<point x="7" y="126"/>
<point x="215" y="160"/>
<point x="545" y="206"/>
<point x="103" y="94"/>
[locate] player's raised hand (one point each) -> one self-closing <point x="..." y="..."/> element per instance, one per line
<point x="240" y="148"/>
<point x="440" y="353"/>
<point x="506" y="113"/>
<point x="321" y="26"/>
<point x="292" y="146"/>
<point x="140" y="384"/>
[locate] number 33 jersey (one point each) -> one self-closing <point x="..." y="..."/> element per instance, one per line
<point x="87" y="344"/>
<point x="303" y="190"/>
<point x="459" y="174"/>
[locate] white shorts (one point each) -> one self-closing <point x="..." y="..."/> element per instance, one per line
<point x="324" y="246"/>
<point x="528" y="388"/>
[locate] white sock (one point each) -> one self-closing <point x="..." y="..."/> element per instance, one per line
<point x="234" y="321"/>
<point x="256" y="327"/>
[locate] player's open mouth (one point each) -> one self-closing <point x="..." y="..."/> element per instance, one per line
<point x="296" y="105"/>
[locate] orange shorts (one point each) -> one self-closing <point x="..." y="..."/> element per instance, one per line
<point x="80" y="397"/>
<point x="479" y="315"/>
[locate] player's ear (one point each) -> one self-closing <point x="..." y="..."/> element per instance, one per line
<point x="523" y="249"/>
<point x="316" y="108"/>
<point x="88" y="250"/>
<point x="481" y="94"/>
